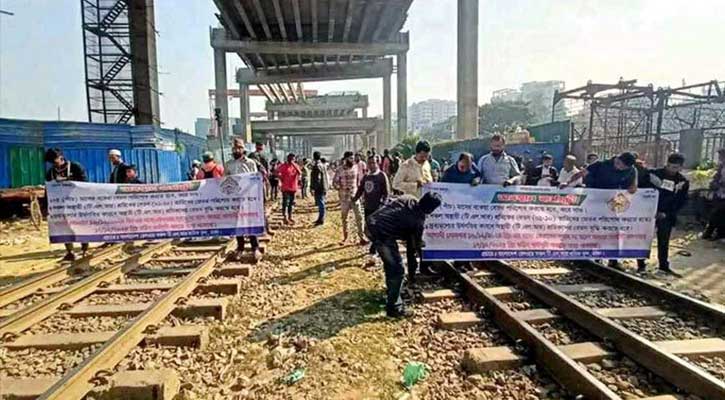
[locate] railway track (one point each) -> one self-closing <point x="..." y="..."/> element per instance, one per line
<point x="595" y="331"/>
<point x="68" y="345"/>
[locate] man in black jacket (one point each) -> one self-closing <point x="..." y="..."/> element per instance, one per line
<point x="118" y="167"/>
<point x="672" y="187"/>
<point x="400" y="219"/>
<point x="65" y="170"/>
<point x="545" y="174"/>
<point x="319" y="183"/>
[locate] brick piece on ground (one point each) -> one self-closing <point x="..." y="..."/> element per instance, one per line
<point x="585" y="352"/>
<point x="483" y="359"/>
<point x="458" y="320"/>
<point x="25" y="388"/>
<point x="632" y="312"/>
<point x="694" y="348"/>
<point x="437" y="295"/>
<point x="536" y="315"/>
<point x="155" y="384"/>
<point x="232" y="269"/>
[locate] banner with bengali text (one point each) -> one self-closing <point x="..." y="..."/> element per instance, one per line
<point x="533" y="222"/>
<point x="99" y="212"/>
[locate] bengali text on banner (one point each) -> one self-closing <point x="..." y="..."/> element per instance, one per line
<point x="99" y="212"/>
<point x="533" y="222"/>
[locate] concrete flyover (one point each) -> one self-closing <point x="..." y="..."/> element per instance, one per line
<point x="317" y="126"/>
<point x="291" y="41"/>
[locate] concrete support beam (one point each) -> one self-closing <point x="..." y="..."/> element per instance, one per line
<point x="244" y="114"/>
<point x="467" y="84"/>
<point x="308" y="48"/>
<point x="402" y="96"/>
<point x="386" y="140"/>
<point x="144" y="67"/>
<point x="332" y="72"/>
<point x="221" y="100"/>
<point x="292" y="126"/>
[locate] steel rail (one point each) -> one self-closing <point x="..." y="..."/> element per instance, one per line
<point x="26" y="287"/>
<point x="77" y="382"/>
<point x="27" y="317"/>
<point x="569" y="373"/>
<point x="673" y="369"/>
<point x="711" y="312"/>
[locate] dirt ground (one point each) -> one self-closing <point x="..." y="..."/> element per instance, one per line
<point x="316" y="306"/>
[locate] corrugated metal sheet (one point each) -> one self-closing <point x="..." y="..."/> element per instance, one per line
<point x="554" y="132"/>
<point x="21" y="132"/>
<point x="162" y="155"/>
<point x="26" y="166"/>
<point x="4" y="165"/>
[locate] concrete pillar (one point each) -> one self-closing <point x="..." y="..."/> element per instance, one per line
<point x="221" y="100"/>
<point x="270" y="115"/>
<point x="244" y="115"/>
<point x="385" y="141"/>
<point x="467" y="85"/>
<point x="144" y="70"/>
<point x="365" y="112"/>
<point x="402" y="96"/>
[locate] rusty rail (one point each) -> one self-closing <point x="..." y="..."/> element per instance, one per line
<point x="27" y="287"/>
<point x="77" y="383"/>
<point x="562" y="368"/>
<point x="668" y="366"/>
<point x="41" y="310"/>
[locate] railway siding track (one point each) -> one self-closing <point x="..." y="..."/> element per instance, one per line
<point x="101" y="349"/>
<point x="663" y="357"/>
<point x="32" y="285"/>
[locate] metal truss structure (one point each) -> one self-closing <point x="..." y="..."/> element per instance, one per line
<point x="107" y="52"/>
<point x="627" y="116"/>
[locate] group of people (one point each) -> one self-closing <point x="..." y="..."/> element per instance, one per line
<point x="62" y="169"/>
<point x="385" y="193"/>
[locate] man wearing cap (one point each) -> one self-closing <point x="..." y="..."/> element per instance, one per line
<point x="400" y="219"/>
<point x="118" y="173"/>
<point x="210" y="169"/>
<point x="241" y="164"/>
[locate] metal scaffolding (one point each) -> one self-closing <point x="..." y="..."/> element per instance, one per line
<point x="107" y="52"/>
<point x="626" y="116"/>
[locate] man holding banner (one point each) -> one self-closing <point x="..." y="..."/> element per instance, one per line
<point x="241" y="164"/>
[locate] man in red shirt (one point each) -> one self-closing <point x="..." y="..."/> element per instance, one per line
<point x="289" y="176"/>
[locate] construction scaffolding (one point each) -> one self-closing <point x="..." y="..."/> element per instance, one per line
<point x="119" y="47"/>
<point x="611" y="118"/>
<point x="107" y="50"/>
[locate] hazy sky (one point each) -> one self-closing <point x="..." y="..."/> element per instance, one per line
<point x="655" y="41"/>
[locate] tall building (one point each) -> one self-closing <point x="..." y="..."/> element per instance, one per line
<point x="539" y="95"/>
<point x="425" y="113"/>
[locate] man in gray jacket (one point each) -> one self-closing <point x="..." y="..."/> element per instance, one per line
<point x="241" y="164"/>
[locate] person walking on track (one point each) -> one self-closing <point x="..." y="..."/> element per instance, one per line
<point x="345" y="181"/>
<point x="319" y="184"/>
<point x="289" y="176"/>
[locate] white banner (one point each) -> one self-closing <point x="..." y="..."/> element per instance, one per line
<point x="99" y="212"/>
<point x="533" y="222"/>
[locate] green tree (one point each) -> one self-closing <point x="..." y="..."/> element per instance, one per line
<point x="407" y="146"/>
<point x="495" y="117"/>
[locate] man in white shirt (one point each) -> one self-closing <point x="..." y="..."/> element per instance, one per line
<point x="568" y="170"/>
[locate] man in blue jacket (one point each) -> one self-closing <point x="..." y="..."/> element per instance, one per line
<point x="464" y="171"/>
